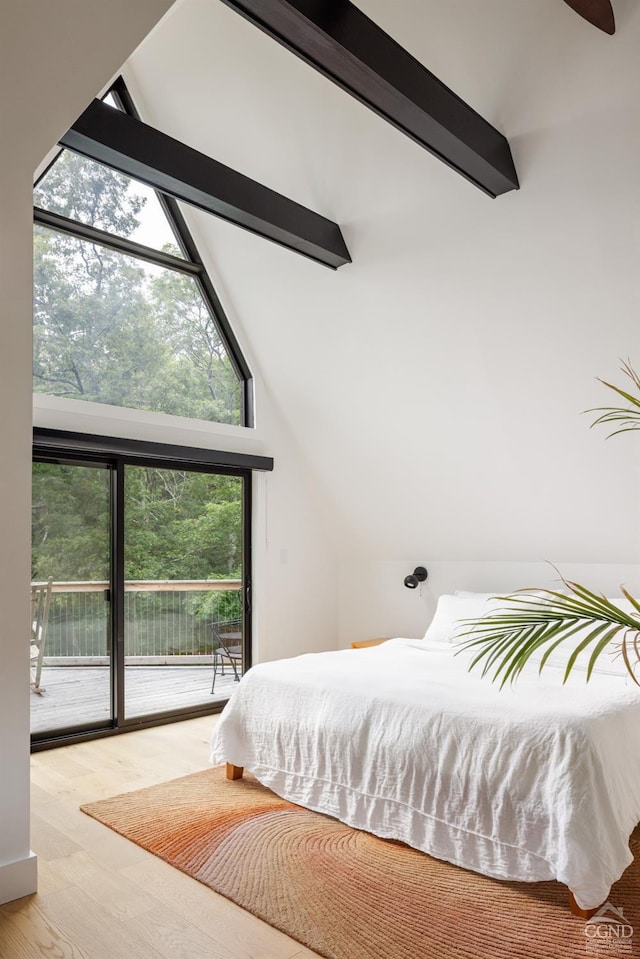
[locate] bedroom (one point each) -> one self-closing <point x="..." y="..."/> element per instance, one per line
<point x="459" y="348"/>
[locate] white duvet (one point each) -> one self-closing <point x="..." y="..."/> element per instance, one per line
<point x="532" y="782"/>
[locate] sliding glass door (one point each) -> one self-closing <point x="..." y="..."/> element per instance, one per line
<point x="184" y="587"/>
<point x="146" y="563"/>
<point x="71" y="559"/>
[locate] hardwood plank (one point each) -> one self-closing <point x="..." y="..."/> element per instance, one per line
<point x="27" y="933"/>
<point x="51" y="842"/>
<point x="174" y="937"/>
<point x="50" y="879"/>
<point x="49" y="813"/>
<point x="94" y="932"/>
<point x="107" y="888"/>
<point x="13" y="942"/>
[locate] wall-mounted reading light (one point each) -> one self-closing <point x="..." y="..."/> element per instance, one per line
<point x="414" y="579"/>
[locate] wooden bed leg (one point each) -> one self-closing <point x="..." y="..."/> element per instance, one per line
<point x="234" y="772"/>
<point x="578" y="911"/>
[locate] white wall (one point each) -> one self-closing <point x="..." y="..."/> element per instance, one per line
<point x="53" y="59"/>
<point x="375" y="602"/>
<point x="434" y="388"/>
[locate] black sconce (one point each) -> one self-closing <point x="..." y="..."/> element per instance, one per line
<point x="414" y="579"/>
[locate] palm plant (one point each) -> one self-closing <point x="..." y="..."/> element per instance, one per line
<point x="540" y="620"/>
<point x="628" y="418"/>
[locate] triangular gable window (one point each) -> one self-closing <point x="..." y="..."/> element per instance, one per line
<point x="97" y="196"/>
<point x="124" y="312"/>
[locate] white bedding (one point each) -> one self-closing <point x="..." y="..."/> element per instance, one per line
<point x="531" y="782"/>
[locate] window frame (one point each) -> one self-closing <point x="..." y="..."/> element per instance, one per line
<point x="192" y="265"/>
<point x="60" y="446"/>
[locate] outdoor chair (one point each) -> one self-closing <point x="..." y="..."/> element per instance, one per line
<point x="228" y="649"/>
<point x="40" y="603"/>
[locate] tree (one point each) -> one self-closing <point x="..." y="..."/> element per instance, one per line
<point x="93" y="338"/>
<point x="70" y="524"/>
<point x="182" y="524"/>
<point x="201" y="372"/>
<point x="90" y="193"/>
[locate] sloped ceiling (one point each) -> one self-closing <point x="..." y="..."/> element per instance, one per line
<point x="435" y="385"/>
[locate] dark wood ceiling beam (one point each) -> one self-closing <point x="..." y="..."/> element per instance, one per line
<point x="336" y="38"/>
<point x="140" y="151"/>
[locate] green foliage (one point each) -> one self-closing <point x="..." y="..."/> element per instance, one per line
<point x="216" y="606"/>
<point x="113" y="329"/>
<point x="200" y="375"/>
<point x="93" y="194"/>
<point x="70" y="523"/>
<point x="626" y="418"/>
<point x="182" y="525"/>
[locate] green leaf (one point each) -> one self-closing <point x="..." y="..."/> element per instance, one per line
<point x="583" y="645"/>
<point x="613" y="414"/>
<point x="600" y="647"/>
<point x="503" y="642"/>
<point x="627" y="396"/>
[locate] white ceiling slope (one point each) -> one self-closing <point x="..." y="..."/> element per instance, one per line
<point x="435" y="386"/>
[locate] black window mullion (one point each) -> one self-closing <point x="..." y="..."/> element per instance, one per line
<point x="247" y="570"/>
<point x="64" y="442"/>
<point x="92" y="234"/>
<point x="117" y="592"/>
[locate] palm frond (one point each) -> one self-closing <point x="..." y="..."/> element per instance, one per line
<point x="625" y="418"/>
<point x="541" y="620"/>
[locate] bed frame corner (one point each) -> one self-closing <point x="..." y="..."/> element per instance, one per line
<point x="578" y="911"/>
<point x="234" y="772"/>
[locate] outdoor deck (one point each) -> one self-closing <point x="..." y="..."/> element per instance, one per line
<point x="80" y="694"/>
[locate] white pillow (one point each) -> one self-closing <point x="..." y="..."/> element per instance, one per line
<point x="445" y="627"/>
<point x="470" y="594"/>
<point x="609" y="662"/>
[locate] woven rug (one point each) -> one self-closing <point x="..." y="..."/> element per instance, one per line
<point x="346" y="894"/>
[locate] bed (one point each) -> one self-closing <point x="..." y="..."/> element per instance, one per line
<point x="532" y="782"/>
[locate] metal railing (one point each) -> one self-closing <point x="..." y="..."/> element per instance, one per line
<point x="164" y="619"/>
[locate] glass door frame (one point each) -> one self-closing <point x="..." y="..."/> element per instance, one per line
<point x="85" y="730"/>
<point x="118" y="608"/>
<point x="84" y="449"/>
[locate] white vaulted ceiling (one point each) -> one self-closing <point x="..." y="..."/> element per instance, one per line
<point x="434" y="387"/>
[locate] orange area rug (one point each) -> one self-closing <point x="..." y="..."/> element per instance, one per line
<point x="346" y="894"/>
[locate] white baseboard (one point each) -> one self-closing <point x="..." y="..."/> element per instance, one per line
<point x="18" y="878"/>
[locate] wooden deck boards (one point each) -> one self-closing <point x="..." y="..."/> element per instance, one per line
<point x="80" y="694"/>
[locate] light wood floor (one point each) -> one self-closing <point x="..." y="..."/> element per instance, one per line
<point x="102" y="897"/>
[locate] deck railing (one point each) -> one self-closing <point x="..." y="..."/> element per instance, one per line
<point x="163" y="618"/>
